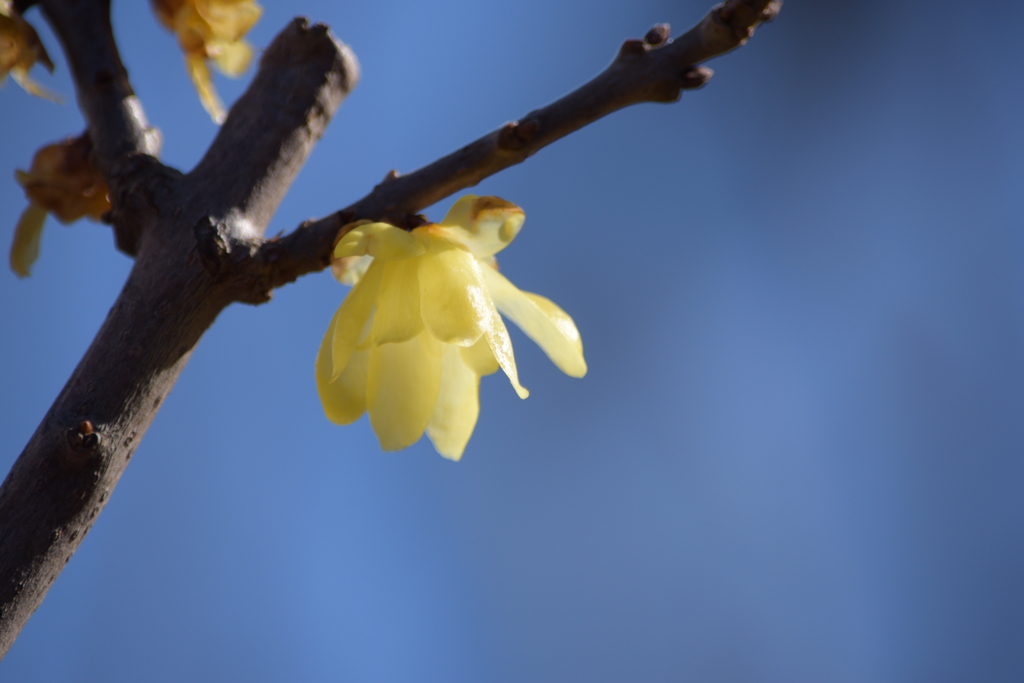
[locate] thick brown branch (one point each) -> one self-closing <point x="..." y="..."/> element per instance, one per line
<point x="648" y="70"/>
<point x="179" y="284"/>
<point x="303" y="77"/>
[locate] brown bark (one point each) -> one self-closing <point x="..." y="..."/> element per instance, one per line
<point x="180" y="229"/>
<point x="198" y="242"/>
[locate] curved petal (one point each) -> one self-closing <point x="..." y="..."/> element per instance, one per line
<point x="379" y="240"/>
<point x="350" y="269"/>
<point x="27" y="235"/>
<point x="344" y="398"/>
<point x="20" y="50"/>
<point x="398" y="318"/>
<point x="458" y="405"/>
<point x="199" y="72"/>
<point x="402" y="387"/>
<point x="542" y="321"/>
<point x="352" y="316"/>
<point x="497" y="338"/>
<point x="479" y="357"/>
<point x="21" y="77"/>
<point x="486" y="225"/>
<point x="453" y="300"/>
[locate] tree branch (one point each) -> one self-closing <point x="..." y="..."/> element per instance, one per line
<point x="648" y="70"/>
<point x="124" y="146"/>
<point x="303" y="74"/>
<point x="177" y="287"/>
<point x="114" y="115"/>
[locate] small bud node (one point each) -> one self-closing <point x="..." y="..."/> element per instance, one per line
<point x="658" y="35"/>
<point x="518" y="134"/>
<point x="696" y="77"/>
<point x="771" y="11"/>
<point x="83" y="438"/>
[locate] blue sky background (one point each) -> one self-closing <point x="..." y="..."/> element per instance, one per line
<point x="797" y="455"/>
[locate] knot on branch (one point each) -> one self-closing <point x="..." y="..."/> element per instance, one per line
<point x="518" y="134"/>
<point x="83" y="458"/>
<point x="141" y="188"/>
<point x="83" y="439"/>
<point x="216" y="248"/>
<point x="244" y="266"/>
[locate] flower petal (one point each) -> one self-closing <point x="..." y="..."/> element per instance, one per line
<point x="379" y="240"/>
<point x="402" y="388"/>
<point x="344" y="398"/>
<point x="486" y="225"/>
<point x="27" y="235"/>
<point x="229" y="21"/>
<point x="232" y="58"/>
<point x="63" y="181"/>
<point x="199" y="72"/>
<point x="352" y="316"/>
<point x="479" y="357"/>
<point x="349" y="269"/>
<point x="20" y="50"/>
<point x="453" y="300"/>
<point x="30" y="86"/>
<point x="398" y="316"/>
<point x="458" y="405"/>
<point x="501" y="346"/>
<point x="542" y="321"/>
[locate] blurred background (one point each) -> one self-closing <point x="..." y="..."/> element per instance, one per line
<point x="797" y="455"/>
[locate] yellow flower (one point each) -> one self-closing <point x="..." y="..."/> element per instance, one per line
<point x="421" y="326"/>
<point x="211" y="29"/>
<point x="61" y="181"/>
<point x="20" y="49"/>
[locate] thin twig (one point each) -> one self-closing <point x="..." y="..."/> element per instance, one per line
<point x="648" y="70"/>
<point x="124" y="146"/>
<point x="114" y="115"/>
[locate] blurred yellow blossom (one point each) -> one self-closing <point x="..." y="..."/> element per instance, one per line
<point x="421" y="326"/>
<point x="61" y="181"/>
<point x="20" y="49"/>
<point x="211" y="30"/>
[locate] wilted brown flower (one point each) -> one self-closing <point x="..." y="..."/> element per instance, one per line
<point x="211" y="30"/>
<point x="20" y="49"/>
<point x="61" y="181"/>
